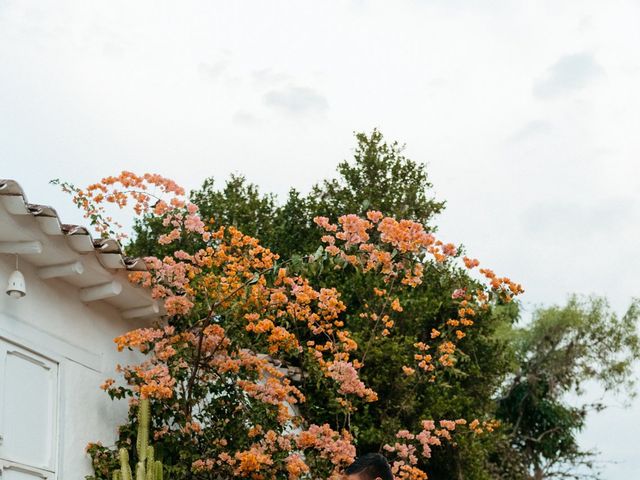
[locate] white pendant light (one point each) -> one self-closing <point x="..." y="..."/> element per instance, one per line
<point x="16" y="287"/>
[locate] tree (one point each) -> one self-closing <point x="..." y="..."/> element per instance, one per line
<point x="220" y="404"/>
<point x="380" y="177"/>
<point x="562" y="350"/>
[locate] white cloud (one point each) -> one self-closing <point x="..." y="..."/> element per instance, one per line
<point x="242" y="117"/>
<point x="569" y="74"/>
<point x="296" y="100"/>
<point x="214" y="70"/>
<point x="532" y="130"/>
<point x="267" y="76"/>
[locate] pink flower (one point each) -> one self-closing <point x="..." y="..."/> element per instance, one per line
<point x="192" y="208"/>
<point x="182" y="255"/>
<point x="347" y="377"/>
<point x="323" y="222"/>
<point x="332" y="445"/>
<point x="354" y="230"/>
<point x="193" y="223"/>
<point x="169" y="237"/>
<point x="448" y="424"/>
<point x="458" y="293"/>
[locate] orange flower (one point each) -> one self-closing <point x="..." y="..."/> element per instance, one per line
<point x="395" y="305"/>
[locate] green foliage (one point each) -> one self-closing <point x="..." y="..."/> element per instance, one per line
<point x="238" y="204"/>
<point x="380" y="178"/>
<point x="558" y="353"/>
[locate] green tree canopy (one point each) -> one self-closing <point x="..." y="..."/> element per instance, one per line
<point x="558" y="354"/>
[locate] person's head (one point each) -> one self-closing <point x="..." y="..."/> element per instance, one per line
<point x="371" y="466"/>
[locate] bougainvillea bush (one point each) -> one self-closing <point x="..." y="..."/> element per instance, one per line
<point x="248" y="333"/>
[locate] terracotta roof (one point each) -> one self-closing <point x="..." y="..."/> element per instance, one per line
<point x="67" y="242"/>
<point x="78" y="235"/>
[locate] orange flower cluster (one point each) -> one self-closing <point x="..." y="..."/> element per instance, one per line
<point x="425" y="360"/>
<point x="250" y="462"/>
<point x="155" y="381"/>
<point x="217" y="272"/>
<point x="275" y="390"/>
<point x="469" y="304"/>
<point x="398" y="249"/>
<point x="259" y="461"/>
<point x="470" y="263"/>
<point x="119" y="190"/>
<point x="393" y="251"/>
<point x="154" y="378"/>
<point x="503" y="285"/>
<point x="141" y="339"/>
<point x="479" y="428"/>
<point x="448" y="335"/>
<point x="321" y="310"/>
<point x="296" y="466"/>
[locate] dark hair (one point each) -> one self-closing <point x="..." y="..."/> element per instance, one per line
<point x="373" y="465"/>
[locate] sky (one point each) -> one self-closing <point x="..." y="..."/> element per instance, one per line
<point x="526" y="113"/>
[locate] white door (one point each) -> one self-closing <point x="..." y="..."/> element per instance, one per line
<point x="28" y="413"/>
<point x="10" y="471"/>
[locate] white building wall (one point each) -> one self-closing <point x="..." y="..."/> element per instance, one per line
<point x="51" y="321"/>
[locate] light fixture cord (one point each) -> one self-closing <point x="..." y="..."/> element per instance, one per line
<point x="17" y="262"/>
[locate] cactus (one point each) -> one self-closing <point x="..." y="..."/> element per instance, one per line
<point x="142" y="440"/>
<point x="147" y="468"/>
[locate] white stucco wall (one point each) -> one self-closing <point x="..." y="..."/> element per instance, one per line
<point x="52" y="321"/>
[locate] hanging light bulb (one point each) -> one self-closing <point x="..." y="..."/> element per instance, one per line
<point x="16" y="287"/>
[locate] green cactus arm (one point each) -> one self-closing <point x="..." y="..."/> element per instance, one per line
<point x="140" y="471"/>
<point x="150" y="463"/>
<point x="158" y="470"/>
<point x="143" y="428"/>
<point x="151" y="457"/>
<point x="125" y="468"/>
<point x="147" y="468"/>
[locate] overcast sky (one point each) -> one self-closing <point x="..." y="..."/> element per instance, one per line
<point x="527" y="114"/>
